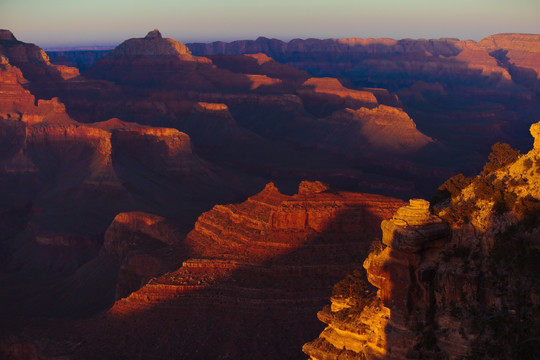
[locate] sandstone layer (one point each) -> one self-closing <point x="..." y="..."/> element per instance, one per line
<point x="459" y="284"/>
<point x="460" y="77"/>
<point x="272" y="256"/>
<point x="275" y="125"/>
<point x="67" y="181"/>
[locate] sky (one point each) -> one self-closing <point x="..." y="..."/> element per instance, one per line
<point x="53" y="23"/>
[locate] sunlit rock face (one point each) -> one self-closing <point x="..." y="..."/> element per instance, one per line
<point x="271" y="257"/>
<point x="153" y="61"/>
<point x="71" y="177"/>
<point x="383" y="129"/>
<point x="444" y="79"/>
<point x="387" y="327"/>
<point x="271" y="223"/>
<point x="153" y="44"/>
<point x="315" y="89"/>
<point x="440" y="274"/>
<point x="278" y="122"/>
<point x="519" y="52"/>
<point x="443" y="58"/>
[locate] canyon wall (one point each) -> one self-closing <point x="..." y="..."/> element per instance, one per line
<point x="252" y="277"/>
<point x="458" y="280"/>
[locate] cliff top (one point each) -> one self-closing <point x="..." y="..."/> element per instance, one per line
<point x="153" y="44"/>
<point x="7" y="35"/>
<point x="508" y="188"/>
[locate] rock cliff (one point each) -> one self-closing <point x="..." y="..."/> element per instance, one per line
<point x="275" y="125"/>
<point x="458" y="284"/>
<point x="465" y="74"/>
<point x="383" y="129"/>
<point x="145" y="245"/>
<point x="76" y="177"/>
<point x="269" y="256"/>
<point x="34" y="64"/>
<point x="153" y="44"/>
<point x="372" y="57"/>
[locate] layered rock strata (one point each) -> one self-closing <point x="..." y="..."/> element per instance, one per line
<point x="273" y="254"/>
<point x="383" y="129"/>
<point x="382" y="330"/>
<point x="459" y="284"/>
<point x="74" y="175"/>
<point x="35" y="64"/>
<point x="144" y="245"/>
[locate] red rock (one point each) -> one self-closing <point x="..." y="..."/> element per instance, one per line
<point x="153" y="226"/>
<point x="137" y="239"/>
<point x="272" y="253"/>
<point x="442" y="281"/>
<point x="331" y="86"/>
<point x="153" y="44"/>
<point x="7" y="35"/>
<point x="33" y="61"/>
<point x="383" y="129"/>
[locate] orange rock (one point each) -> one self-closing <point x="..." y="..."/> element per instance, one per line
<point x="332" y="86"/>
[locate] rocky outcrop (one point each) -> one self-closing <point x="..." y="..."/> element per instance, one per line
<point x="467" y="72"/>
<point x="161" y="149"/>
<point x="519" y="54"/>
<point x="373" y="57"/>
<point x="153" y="61"/>
<point x="334" y="92"/>
<point x="271" y="223"/>
<point x="33" y="61"/>
<point x="450" y="285"/>
<point x="260" y="64"/>
<point x="139" y="240"/>
<point x="334" y="87"/>
<point x="383" y="328"/>
<point x="273" y="254"/>
<point x="153" y="44"/>
<point x="142" y="224"/>
<point x="275" y="114"/>
<point x="53" y="162"/>
<point x="383" y="129"/>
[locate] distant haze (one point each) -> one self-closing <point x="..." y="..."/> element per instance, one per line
<point x="108" y="22"/>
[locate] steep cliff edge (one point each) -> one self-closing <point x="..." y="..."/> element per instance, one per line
<point x="269" y="259"/>
<point x="460" y="280"/>
<point x="251" y="279"/>
<point x="519" y="53"/>
<point x="35" y="65"/>
<point x="460" y="77"/>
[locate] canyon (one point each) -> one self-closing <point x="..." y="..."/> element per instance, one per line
<point x="207" y="200"/>
<point x="454" y="279"/>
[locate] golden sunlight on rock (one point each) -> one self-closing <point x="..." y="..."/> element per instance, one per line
<point x="436" y="267"/>
<point x="334" y="87"/>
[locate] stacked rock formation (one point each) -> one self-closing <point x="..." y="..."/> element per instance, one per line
<point x="456" y="291"/>
<point x="385" y="129"/>
<point x="74" y="175"/>
<point x="382" y="330"/>
<point x="273" y="256"/>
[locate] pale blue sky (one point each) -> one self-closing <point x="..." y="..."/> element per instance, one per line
<point x="73" y="22"/>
